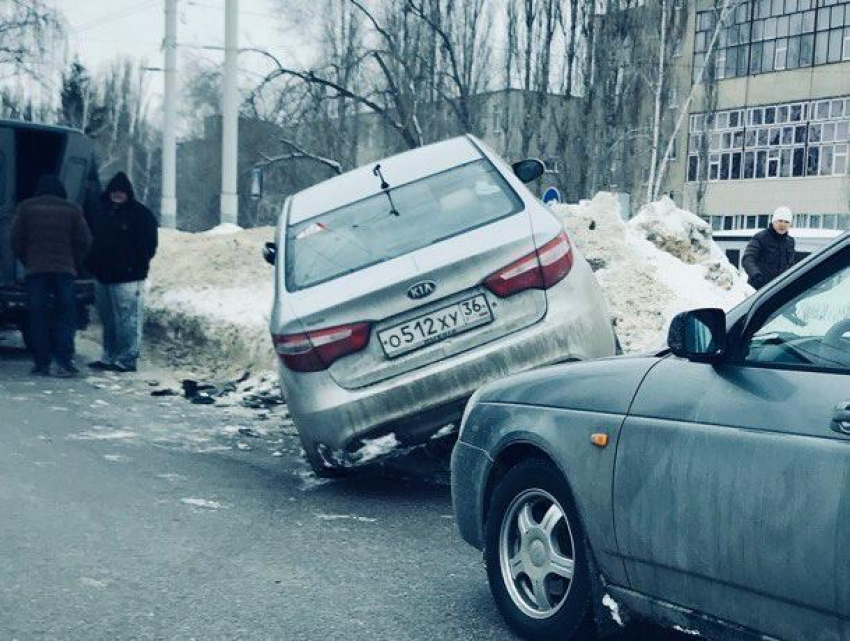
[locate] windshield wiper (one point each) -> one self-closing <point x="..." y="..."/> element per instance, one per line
<point x="385" y="186"/>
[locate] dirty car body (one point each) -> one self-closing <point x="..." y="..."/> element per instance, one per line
<point x="404" y="286"/>
<point x="706" y="487"/>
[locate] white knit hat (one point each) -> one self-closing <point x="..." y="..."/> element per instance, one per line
<point x="783" y="213"/>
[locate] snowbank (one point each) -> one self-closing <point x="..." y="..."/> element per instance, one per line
<point x="211" y="293"/>
<point x="663" y="261"/>
<point x="209" y="302"/>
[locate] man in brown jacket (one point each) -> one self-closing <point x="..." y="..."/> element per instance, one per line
<point x="51" y="238"/>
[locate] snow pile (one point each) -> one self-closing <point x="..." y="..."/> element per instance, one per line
<point x="209" y="301"/>
<point x="223" y="230"/>
<point x="660" y="263"/>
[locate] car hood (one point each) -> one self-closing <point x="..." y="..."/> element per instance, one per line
<point x="605" y="385"/>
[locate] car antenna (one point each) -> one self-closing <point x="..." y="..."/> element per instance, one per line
<point x="385" y="186"/>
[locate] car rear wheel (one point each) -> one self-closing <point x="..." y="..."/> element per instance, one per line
<point x="536" y="556"/>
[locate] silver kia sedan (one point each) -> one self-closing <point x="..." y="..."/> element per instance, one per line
<point x="405" y="285"/>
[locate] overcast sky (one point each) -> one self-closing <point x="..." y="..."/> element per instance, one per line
<point x="101" y="30"/>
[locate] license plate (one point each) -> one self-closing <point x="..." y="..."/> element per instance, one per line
<point x="435" y="326"/>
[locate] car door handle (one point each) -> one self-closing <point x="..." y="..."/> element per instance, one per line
<point x="841" y="418"/>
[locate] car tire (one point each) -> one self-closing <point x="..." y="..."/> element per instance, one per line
<point x="528" y="572"/>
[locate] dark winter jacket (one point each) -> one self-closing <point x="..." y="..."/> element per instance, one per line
<point x="767" y="255"/>
<point x="49" y="234"/>
<point x="125" y="236"/>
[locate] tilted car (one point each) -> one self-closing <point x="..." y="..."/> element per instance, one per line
<point x="707" y="487"/>
<point x="403" y="286"/>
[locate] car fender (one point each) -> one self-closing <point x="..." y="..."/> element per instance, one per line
<point x="572" y="403"/>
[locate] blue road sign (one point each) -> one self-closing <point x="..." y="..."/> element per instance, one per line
<point x="552" y="195"/>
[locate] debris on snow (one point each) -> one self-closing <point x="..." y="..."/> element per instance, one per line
<point x="614" y="608"/>
<point x="167" y="391"/>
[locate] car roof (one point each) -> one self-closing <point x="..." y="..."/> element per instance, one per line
<point x="400" y="169"/>
<point x="37" y="126"/>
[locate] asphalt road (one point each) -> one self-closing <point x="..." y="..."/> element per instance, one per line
<point x="127" y="516"/>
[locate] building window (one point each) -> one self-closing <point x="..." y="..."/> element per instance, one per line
<point x="731" y="222"/>
<point x="762" y="36"/>
<point x="790" y="140"/>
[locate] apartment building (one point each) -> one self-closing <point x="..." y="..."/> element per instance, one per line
<point x="769" y="123"/>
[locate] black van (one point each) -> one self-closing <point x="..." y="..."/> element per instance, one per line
<point x="27" y="151"/>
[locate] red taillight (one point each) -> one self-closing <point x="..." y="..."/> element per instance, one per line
<point x="317" y="350"/>
<point x="541" y="269"/>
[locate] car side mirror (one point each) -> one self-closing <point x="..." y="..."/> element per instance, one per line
<point x="698" y="335"/>
<point x="270" y="253"/>
<point x="529" y="170"/>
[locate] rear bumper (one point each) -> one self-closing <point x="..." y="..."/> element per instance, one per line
<point x="336" y="420"/>
<point x="13" y="302"/>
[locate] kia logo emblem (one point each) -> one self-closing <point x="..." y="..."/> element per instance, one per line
<point x="422" y="290"/>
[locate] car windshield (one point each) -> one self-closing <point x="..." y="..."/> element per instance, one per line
<point x="396" y="222"/>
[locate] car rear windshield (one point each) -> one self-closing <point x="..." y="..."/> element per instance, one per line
<point x="396" y="222"/>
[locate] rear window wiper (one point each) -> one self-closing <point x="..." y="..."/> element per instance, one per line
<point x="385" y="187"/>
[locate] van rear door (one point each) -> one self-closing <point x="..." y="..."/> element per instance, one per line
<point x="75" y="166"/>
<point x="7" y="203"/>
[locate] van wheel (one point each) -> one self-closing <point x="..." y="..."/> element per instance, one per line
<point x="536" y="555"/>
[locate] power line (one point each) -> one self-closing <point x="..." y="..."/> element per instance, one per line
<point x="111" y="17"/>
<point x="195" y="3"/>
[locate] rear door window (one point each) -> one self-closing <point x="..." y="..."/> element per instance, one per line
<point x="397" y="222"/>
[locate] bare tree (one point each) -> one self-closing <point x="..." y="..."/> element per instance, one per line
<point x="26" y="31"/>
<point x="463" y="52"/>
<point x="725" y="9"/>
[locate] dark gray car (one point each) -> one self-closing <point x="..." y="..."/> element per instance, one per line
<point x="705" y="487"/>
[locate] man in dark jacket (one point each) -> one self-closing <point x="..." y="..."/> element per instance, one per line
<point x="51" y="238"/>
<point x="125" y="242"/>
<point x="771" y="251"/>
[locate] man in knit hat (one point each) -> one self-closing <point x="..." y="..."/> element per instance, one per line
<point x="51" y="238"/>
<point x="771" y="251"/>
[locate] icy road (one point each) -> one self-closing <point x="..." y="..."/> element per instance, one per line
<point x="131" y="516"/>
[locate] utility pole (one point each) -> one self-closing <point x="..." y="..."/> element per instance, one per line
<point x="230" y="116"/>
<point x="168" y="208"/>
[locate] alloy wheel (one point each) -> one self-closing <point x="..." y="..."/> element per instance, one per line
<point x="536" y="553"/>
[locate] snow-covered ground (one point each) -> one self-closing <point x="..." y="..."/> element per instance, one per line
<point x="210" y="294"/>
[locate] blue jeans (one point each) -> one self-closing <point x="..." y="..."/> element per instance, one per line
<point x="52" y="305"/>
<point x="120" y="307"/>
